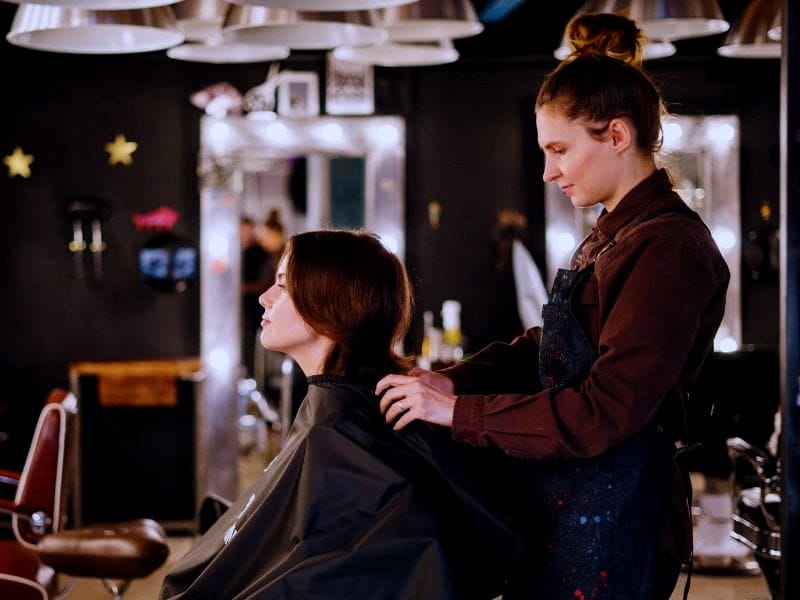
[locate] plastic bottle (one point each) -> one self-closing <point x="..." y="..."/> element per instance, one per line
<point x="452" y="349"/>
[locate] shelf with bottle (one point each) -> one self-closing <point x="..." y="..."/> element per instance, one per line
<point x="442" y="346"/>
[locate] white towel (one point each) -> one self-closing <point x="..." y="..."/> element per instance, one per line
<point x="531" y="292"/>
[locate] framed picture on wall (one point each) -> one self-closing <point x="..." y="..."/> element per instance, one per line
<point x="298" y="94"/>
<point x="349" y="88"/>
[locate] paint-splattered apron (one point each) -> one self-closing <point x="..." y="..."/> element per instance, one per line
<point x="592" y="523"/>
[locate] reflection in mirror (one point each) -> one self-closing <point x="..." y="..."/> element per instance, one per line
<point x="702" y="156"/>
<point x="278" y="185"/>
<point x="320" y="171"/>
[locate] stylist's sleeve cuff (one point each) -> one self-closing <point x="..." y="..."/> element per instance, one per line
<point x="467" y="417"/>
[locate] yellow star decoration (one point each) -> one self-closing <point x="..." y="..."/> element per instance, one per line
<point x="19" y="163"/>
<point x="120" y="150"/>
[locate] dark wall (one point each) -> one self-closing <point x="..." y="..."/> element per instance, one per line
<point x="471" y="147"/>
<point x="63" y="109"/>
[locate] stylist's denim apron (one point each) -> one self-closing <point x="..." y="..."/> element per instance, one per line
<point x="592" y="524"/>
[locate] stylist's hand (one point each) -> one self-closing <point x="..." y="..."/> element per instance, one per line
<point x="421" y="394"/>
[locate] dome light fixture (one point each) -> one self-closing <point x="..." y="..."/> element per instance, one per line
<point x="200" y="20"/>
<point x="650" y="51"/>
<point x="653" y="48"/>
<point x="394" y="54"/>
<point x="750" y="36"/>
<point x="84" y="31"/>
<point x="300" y="30"/>
<point x="227" y="53"/>
<point x="429" y="21"/>
<point x="670" y="20"/>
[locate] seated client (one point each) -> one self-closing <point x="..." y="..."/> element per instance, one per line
<point x="350" y="508"/>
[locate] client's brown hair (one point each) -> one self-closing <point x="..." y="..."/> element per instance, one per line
<point x="348" y="287"/>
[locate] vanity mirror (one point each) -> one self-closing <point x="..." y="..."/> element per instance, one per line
<point x="701" y="154"/>
<point x="317" y="171"/>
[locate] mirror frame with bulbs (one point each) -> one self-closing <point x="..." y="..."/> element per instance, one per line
<point x="230" y="148"/>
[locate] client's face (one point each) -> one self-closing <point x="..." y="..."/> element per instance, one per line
<point x="284" y="330"/>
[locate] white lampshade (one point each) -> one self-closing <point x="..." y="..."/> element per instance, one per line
<point x="200" y="20"/>
<point x="651" y="50"/>
<point x="750" y="35"/>
<point x="300" y="30"/>
<point x="227" y="53"/>
<point x="398" y="55"/>
<point x="83" y="31"/>
<point x="678" y="19"/>
<point x="325" y="4"/>
<point x="240" y="16"/>
<point x="429" y="21"/>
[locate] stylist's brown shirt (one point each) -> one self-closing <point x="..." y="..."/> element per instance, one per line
<point x="652" y="308"/>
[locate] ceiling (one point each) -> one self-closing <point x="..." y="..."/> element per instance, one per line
<point x="522" y="29"/>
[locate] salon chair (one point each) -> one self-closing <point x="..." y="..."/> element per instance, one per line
<point x="43" y="549"/>
<point x="756" y="518"/>
<point x="720" y="408"/>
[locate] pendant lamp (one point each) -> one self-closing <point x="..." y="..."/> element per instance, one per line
<point x="670" y="20"/>
<point x="300" y="30"/>
<point x="398" y="54"/>
<point x="227" y="53"/>
<point x="200" y="20"/>
<point x="83" y="31"/>
<point x="749" y="37"/>
<point x="653" y="48"/>
<point x="325" y="4"/>
<point x="429" y="21"/>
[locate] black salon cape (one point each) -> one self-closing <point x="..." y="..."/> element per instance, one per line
<point x="351" y="509"/>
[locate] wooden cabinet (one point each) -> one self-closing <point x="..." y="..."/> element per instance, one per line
<point x="136" y="450"/>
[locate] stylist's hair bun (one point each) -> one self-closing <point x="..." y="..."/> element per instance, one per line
<point x="606" y="35"/>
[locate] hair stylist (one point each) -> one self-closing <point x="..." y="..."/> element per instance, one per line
<point x="589" y="407"/>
